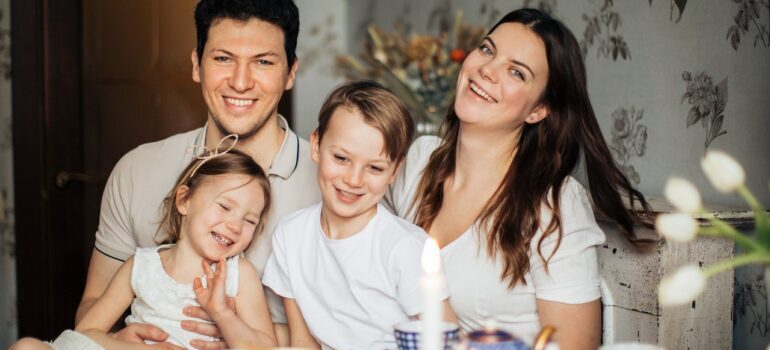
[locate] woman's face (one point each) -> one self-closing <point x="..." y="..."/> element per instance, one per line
<point x="500" y="83"/>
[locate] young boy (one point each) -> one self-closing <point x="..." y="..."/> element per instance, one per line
<point x="347" y="268"/>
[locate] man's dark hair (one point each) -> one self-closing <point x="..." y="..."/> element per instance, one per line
<point x="282" y="13"/>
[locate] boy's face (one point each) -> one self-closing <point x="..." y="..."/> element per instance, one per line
<point x="221" y="216"/>
<point x="243" y="73"/>
<point x="353" y="170"/>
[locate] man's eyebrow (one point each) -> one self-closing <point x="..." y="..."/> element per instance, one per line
<point x="492" y="42"/>
<point x="259" y="55"/>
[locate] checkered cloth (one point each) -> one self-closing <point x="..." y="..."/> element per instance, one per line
<point x="411" y="340"/>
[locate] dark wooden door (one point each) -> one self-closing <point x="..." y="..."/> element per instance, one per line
<point x="91" y="80"/>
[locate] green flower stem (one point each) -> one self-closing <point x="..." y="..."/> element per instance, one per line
<point x="759" y="211"/>
<point x="741" y="260"/>
<point x="722" y="229"/>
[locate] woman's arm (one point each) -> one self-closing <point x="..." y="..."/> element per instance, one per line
<point x="249" y="324"/>
<point x="299" y="334"/>
<point x="578" y="326"/>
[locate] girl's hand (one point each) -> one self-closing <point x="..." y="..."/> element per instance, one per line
<point x="213" y="299"/>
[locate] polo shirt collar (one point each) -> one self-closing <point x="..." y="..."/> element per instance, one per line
<point x="287" y="157"/>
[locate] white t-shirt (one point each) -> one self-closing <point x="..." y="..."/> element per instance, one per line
<point x="473" y="277"/>
<point x="350" y="291"/>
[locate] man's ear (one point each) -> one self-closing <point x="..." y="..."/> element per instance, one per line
<point x="196" y="70"/>
<point x="292" y="75"/>
<point x="181" y="199"/>
<point x="315" y="146"/>
<point x="539" y="113"/>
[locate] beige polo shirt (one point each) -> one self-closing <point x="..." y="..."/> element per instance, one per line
<point x="131" y="208"/>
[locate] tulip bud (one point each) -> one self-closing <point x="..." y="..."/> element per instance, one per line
<point x="682" y="195"/>
<point x="682" y="287"/>
<point x="680" y="227"/>
<point x="723" y="171"/>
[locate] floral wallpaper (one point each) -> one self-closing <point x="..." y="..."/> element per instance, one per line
<point x="602" y="31"/>
<point x="749" y="19"/>
<point x="8" y="328"/>
<point x="707" y="101"/>
<point x="629" y="140"/>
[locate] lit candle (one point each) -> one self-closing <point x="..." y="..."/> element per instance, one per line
<point x="431" y="287"/>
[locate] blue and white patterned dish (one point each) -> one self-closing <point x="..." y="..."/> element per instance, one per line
<point x="408" y="335"/>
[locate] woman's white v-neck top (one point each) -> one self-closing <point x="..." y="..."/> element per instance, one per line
<point x="476" y="290"/>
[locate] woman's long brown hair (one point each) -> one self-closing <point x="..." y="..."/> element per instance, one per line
<point x="546" y="154"/>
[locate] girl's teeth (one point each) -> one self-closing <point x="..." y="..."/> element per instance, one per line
<point x="238" y="102"/>
<point x="482" y="93"/>
<point x="224" y="241"/>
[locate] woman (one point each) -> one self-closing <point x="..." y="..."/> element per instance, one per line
<point x="517" y="232"/>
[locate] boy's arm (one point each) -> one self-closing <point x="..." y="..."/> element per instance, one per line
<point x="249" y="324"/>
<point x="299" y="334"/>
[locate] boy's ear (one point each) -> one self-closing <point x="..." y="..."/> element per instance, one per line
<point x="396" y="170"/>
<point x="181" y="200"/>
<point x="315" y="146"/>
<point x="539" y="113"/>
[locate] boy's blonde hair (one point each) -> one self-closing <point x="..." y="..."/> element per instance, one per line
<point x="380" y="109"/>
<point x="230" y="162"/>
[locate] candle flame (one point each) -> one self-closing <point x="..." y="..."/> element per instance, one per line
<point x="431" y="257"/>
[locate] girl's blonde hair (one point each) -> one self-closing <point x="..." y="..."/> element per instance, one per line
<point x="231" y="162"/>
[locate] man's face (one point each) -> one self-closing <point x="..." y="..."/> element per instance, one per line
<point x="243" y="73"/>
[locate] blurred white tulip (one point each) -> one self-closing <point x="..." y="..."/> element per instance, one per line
<point x="680" y="227"/>
<point x="723" y="171"/>
<point x="683" y="195"/>
<point x="682" y="287"/>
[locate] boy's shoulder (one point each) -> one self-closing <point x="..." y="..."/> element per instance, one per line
<point x="395" y="228"/>
<point x="299" y="218"/>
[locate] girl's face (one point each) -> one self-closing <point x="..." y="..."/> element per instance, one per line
<point x="221" y="216"/>
<point x="500" y="83"/>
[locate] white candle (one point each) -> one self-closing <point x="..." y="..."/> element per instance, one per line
<point x="431" y="287"/>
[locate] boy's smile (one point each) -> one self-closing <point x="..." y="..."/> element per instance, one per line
<point x="353" y="172"/>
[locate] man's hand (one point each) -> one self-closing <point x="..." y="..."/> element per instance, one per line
<point x="139" y="332"/>
<point x="202" y="328"/>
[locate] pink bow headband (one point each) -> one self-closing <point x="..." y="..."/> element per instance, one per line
<point x="208" y="154"/>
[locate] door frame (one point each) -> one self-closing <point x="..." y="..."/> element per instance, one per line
<point x="47" y="128"/>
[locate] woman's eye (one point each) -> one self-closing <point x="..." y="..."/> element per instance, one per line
<point x="485" y="50"/>
<point x="518" y="74"/>
<point x="224" y="207"/>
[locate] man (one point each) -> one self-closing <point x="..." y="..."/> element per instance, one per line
<point x="244" y="61"/>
